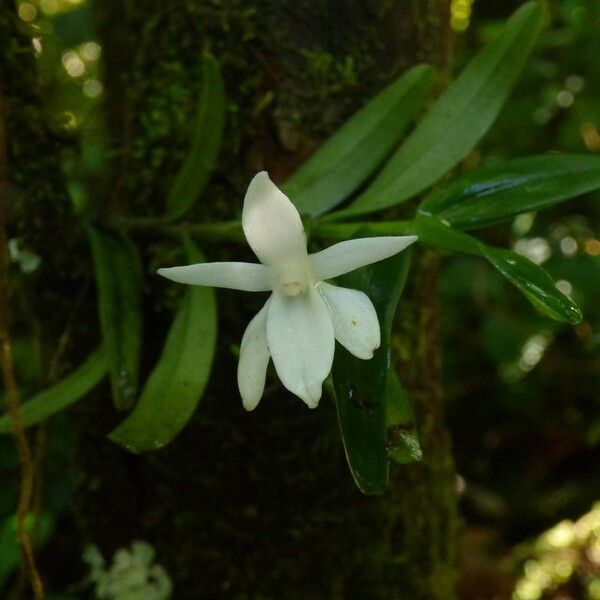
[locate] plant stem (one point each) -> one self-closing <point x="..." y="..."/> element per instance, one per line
<point x="231" y="231"/>
<point x="344" y="231"/>
<point x="10" y="385"/>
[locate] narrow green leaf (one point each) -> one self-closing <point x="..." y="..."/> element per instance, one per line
<point x="357" y="149"/>
<point x="535" y="283"/>
<point x="402" y="440"/>
<point x="458" y="119"/>
<point x="177" y="382"/>
<point x="193" y="176"/>
<point x="433" y="232"/>
<point x="494" y="194"/>
<point x="66" y="392"/>
<point x="119" y="285"/>
<point x="531" y="279"/>
<point x="360" y="385"/>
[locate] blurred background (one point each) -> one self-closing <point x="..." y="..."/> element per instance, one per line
<point x="523" y="392"/>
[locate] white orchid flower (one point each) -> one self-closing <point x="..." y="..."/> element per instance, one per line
<point x="298" y="325"/>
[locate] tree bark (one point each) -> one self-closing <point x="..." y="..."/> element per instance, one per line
<point x="262" y="505"/>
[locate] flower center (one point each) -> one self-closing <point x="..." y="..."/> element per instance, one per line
<point x="293" y="278"/>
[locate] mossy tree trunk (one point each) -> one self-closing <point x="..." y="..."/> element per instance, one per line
<point x="262" y="505"/>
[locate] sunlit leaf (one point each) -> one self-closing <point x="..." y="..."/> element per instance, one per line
<point x="119" y="286"/>
<point x="193" y="176"/>
<point x="494" y="194"/>
<point x="61" y="395"/>
<point x="340" y="165"/>
<point x="535" y="283"/>
<point x="460" y="117"/>
<point x="402" y="439"/>
<point x="360" y="385"/>
<point x="177" y="382"/>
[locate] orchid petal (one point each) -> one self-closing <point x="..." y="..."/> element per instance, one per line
<point x="271" y="223"/>
<point x="355" y="322"/>
<point x="353" y="254"/>
<point x="249" y="277"/>
<point x="254" y="359"/>
<point x="301" y="342"/>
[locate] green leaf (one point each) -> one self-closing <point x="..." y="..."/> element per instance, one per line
<point x="458" y="119"/>
<point x="357" y="149"/>
<point x="535" y="283"/>
<point x="66" y="392"/>
<point x="402" y="440"/>
<point x="177" y="382"/>
<point x="193" y="176"/>
<point x="494" y="194"/>
<point x="532" y="280"/>
<point x="360" y="385"/>
<point x="10" y="553"/>
<point x="433" y="232"/>
<point x="119" y="285"/>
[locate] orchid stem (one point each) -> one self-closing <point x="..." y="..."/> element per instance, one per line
<point x="231" y="231"/>
<point x="345" y="231"/>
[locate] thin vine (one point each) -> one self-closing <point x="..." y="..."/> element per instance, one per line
<point x="10" y="385"/>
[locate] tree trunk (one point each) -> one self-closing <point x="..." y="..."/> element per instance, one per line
<point x="262" y="505"/>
